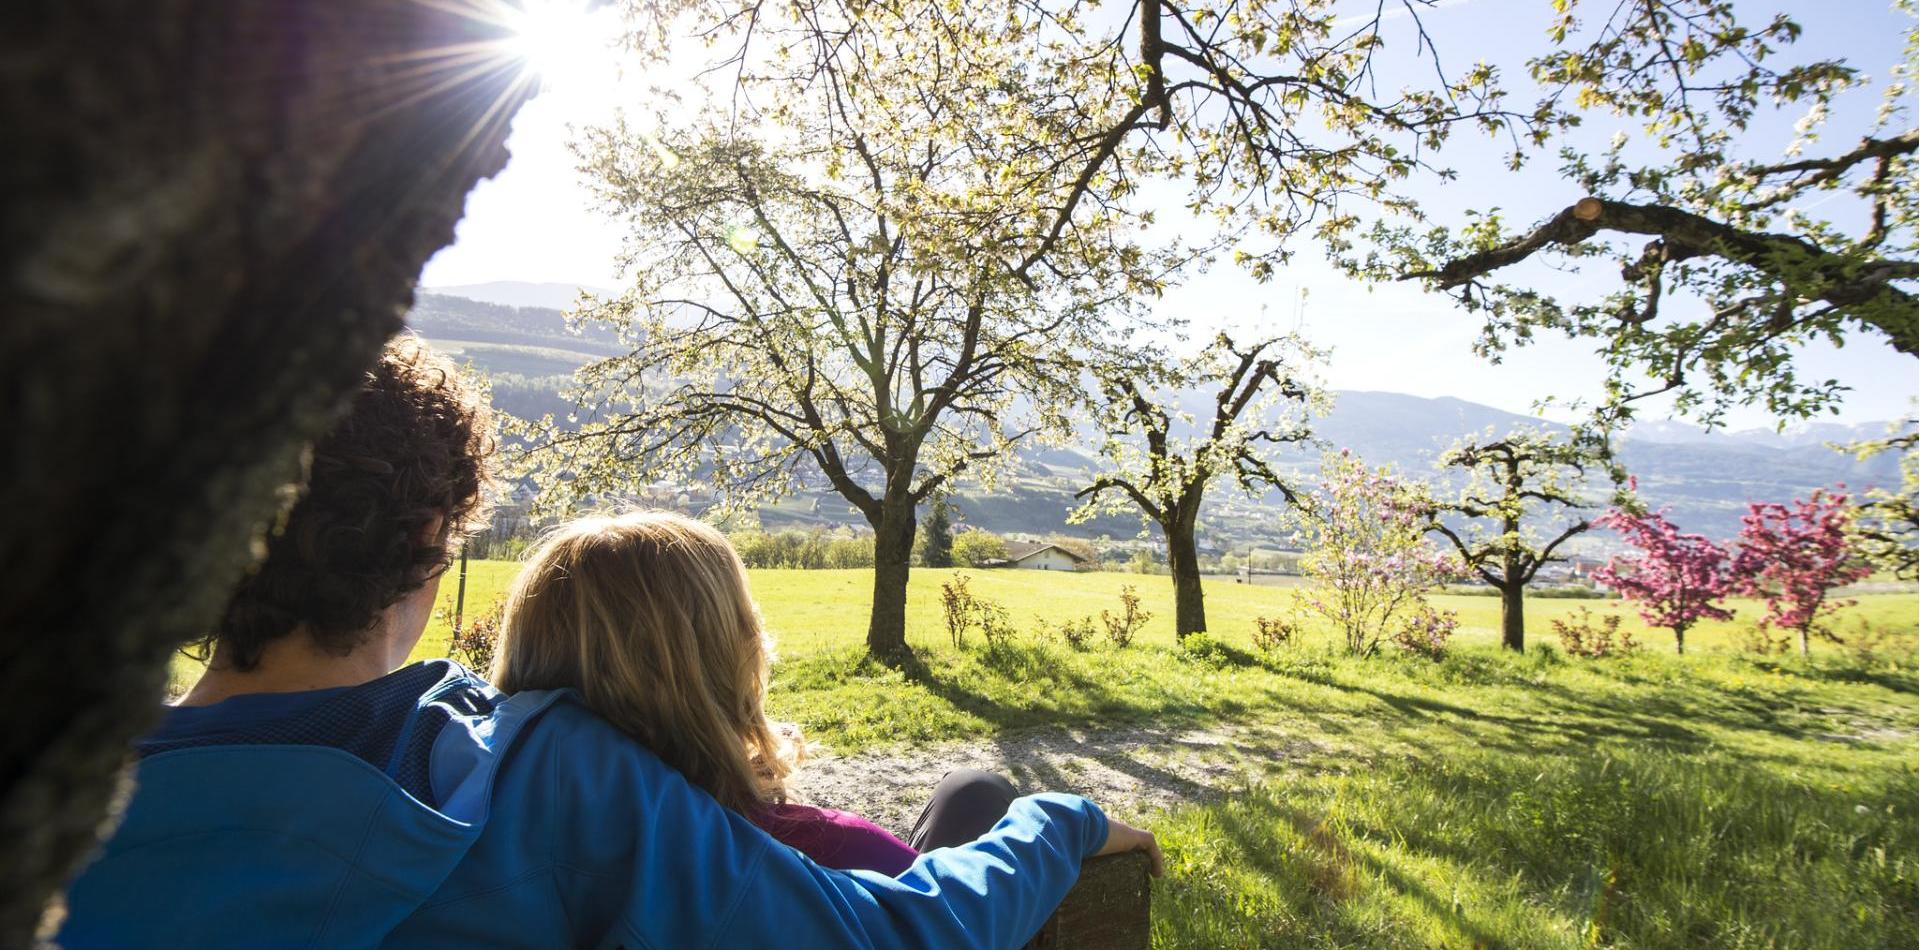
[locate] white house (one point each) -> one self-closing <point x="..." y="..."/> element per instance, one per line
<point x="1040" y="557"/>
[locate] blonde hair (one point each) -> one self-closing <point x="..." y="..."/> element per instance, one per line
<point x="648" y="616"/>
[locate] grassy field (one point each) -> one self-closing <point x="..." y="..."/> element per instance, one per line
<point x="812" y="611"/>
<point x="1487" y="800"/>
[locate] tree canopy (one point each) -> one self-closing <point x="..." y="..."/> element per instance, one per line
<point x="1729" y="264"/>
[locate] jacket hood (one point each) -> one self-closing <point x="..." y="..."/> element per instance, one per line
<point x="289" y="845"/>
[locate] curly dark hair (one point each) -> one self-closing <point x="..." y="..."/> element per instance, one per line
<point x="415" y="446"/>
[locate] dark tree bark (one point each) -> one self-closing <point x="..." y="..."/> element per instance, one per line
<point x="1513" y="616"/>
<point x="213" y="217"/>
<point x="892" y="561"/>
<point x="1868" y="289"/>
<point x="1183" y="560"/>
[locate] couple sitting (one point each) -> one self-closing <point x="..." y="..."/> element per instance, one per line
<point x="621" y="788"/>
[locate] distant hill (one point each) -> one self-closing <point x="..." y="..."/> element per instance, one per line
<point x="1797" y="435"/>
<point x="1705" y="478"/>
<point x="441" y="317"/>
<point x="518" y="293"/>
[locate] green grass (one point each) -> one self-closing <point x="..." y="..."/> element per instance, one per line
<point x="811" y="611"/>
<point x="1487" y="800"/>
<point x="1627" y="845"/>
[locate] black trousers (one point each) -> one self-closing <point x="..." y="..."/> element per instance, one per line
<point x="965" y="805"/>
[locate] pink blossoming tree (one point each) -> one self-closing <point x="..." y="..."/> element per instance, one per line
<point x="1793" y="558"/>
<point x="1676" y="579"/>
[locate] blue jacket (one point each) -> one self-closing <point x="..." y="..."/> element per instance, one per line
<point x="424" y="810"/>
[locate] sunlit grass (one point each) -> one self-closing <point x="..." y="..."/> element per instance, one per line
<point x="1716" y="799"/>
<point x="1619" y="844"/>
<point x="814" y="611"/>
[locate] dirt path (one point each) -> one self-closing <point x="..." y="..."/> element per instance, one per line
<point x="1128" y="771"/>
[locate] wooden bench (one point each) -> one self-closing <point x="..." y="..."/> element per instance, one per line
<point x="1109" y="909"/>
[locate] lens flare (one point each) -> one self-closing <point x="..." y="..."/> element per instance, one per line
<point x="567" y="44"/>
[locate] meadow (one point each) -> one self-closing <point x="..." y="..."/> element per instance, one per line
<point x="1485" y="800"/>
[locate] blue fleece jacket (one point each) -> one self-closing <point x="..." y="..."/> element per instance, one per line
<point x="424" y="810"/>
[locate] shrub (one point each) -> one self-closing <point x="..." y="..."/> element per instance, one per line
<point x="956" y="605"/>
<point x="1869" y="643"/>
<point x="995" y="628"/>
<point x="472" y="647"/>
<point x="1568" y="592"/>
<point x="1201" y="646"/>
<point x="1758" y="637"/>
<point x="1272" y="633"/>
<point x="962" y="609"/>
<point x="1425" y="632"/>
<point x="1078" y="634"/>
<point x="1581" y="637"/>
<point x="1121" y="629"/>
<point x="805" y="550"/>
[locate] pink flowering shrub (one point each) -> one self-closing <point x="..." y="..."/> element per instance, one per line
<point x="1676" y="579"/>
<point x="1367" y="550"/>
<point x="1793" y="557"/>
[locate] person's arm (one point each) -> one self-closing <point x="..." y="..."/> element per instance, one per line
<point x="687" y="872"/>
<point x="993" y="892"/>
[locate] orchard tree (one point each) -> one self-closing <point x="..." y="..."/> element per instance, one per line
<point x="1513" y="485"/>
<point x="1368" y="560"/>
<point x="1793" y="558"/>
<point x="1677" y="579"/>
<point x="854" y="279"/>
<point x="1165" y="459"/>
<point x="1728" y="264"/>
<point x="1887" y="526"/>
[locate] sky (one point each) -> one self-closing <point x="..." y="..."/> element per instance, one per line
<point x="536" y="221"/>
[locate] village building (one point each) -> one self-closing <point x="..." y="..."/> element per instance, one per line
<point x="1030" y="556"/>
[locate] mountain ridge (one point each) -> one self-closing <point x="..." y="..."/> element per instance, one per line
<point x="1706" y="479"/>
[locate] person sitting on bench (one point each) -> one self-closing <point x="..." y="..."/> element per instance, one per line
<point x="648" y="616"/>
<point x="306" y="792"/>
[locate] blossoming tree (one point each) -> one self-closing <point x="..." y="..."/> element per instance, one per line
<point x="1794" y="557"/>
<point x="1522" y="500"/>
<point x="1367" y="552"/>
<point x="1677" y="579"/>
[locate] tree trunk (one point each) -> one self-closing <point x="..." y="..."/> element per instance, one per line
<point x="1189" y="604"/>
<point x="1806" y="648"/>
<point x="892" y="556"/>
<point x="213" y="219"/>
<point x="1680" y="640"/>
<point x="1513" y="617"/>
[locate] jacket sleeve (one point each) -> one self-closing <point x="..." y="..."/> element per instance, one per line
<point x="692" y="873"/>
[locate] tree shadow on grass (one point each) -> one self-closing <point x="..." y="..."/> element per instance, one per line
<point x="1517" y="732"/>
<point x="1616" y="847"/>
<point x="1095" y="702"/>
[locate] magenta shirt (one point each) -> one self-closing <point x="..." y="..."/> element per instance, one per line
<point x="836" y="839"/>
